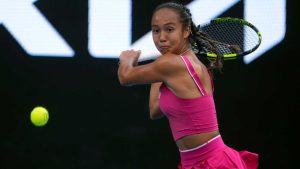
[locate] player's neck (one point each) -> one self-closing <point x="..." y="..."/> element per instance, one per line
<point x="185" y="51"/>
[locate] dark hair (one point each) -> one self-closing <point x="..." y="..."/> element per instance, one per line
<point x="197" y="38"/>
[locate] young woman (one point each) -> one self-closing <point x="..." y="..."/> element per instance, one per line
<point x="182" y="90"/>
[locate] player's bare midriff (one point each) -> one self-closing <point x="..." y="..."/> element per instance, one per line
<point x="195" y="140"/>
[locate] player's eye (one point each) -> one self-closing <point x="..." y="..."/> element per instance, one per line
<point x="169" y="29"/>
<point x="155" y="30"/>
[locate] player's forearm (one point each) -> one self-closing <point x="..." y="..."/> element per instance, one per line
<point x="128" y="59"/>
<point x="124" y="71"/>
<point x="155" y="111"/>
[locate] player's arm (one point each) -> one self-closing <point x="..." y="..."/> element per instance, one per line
<point x="130" y="73"/>
<point x="155" y="112"/>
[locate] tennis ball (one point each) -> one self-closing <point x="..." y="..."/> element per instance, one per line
<point x="39" y="116"/>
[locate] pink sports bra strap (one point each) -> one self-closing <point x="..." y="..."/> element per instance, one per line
<point x="194" y="75"/>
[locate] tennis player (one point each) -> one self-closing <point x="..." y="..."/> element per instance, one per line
<point x="182" y="90"/>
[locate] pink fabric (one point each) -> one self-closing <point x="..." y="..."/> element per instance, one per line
<point x="216" y="155"/>
<point x="189" y="116"/>
<point x="194" y="75"/>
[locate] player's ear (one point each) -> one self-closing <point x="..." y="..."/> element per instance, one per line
<point x="187" y="32"/>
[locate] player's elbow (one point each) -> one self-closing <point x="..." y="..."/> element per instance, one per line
<point x="155" y="117"/>
<point x="123" y="79"/>
<point x="155" y="114"/>
<point x="123" y="82"/>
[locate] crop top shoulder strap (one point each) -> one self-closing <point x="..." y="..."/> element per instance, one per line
<point x="193" y="74"/>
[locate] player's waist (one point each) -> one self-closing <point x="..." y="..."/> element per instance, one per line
<point x="195" y="141"/>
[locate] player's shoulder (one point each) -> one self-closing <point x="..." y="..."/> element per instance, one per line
<point x="168" y="62"/>
<point x="168" y="59"/>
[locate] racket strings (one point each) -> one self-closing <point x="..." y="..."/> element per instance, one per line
<point x="222" y="47"/>
<point x="231" y="36"/>
<point x="250" y="38"/>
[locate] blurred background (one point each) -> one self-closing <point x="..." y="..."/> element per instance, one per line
<point x="63" y="55"/>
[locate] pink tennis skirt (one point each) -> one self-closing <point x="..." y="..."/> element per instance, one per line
<point x="216" y="155"/>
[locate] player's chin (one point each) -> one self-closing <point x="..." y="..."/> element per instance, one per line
<point x="163" y="51"/>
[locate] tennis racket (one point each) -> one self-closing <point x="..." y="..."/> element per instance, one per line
<point x="233" y="37"/>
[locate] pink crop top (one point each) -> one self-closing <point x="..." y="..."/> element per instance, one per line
<point x="188" y="116"/>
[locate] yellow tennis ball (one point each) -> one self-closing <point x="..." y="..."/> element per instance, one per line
<point x="39" y="116"/>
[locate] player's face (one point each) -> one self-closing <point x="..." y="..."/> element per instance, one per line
<point x="167" y="31"/>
